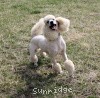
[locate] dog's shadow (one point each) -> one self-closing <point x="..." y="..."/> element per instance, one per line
<point x="39" y="77"/>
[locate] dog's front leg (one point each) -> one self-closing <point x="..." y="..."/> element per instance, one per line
<point x="56" y="66"/>
<point x="68" y="64"/>
<point x="33" y="57"/>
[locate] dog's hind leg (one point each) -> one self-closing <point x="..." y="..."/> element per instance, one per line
<point x="44" y="54"/>
<point x="32" y="50"/>
<point x="56" y="66"/>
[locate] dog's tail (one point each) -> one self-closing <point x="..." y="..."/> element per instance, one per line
<point x="37" y="28"/>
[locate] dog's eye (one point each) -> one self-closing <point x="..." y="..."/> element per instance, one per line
<point x="47" y="21"/>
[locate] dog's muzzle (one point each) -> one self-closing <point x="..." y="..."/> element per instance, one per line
<point x="52" y="24"/>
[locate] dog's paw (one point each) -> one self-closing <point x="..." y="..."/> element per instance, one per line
<point x="70" y="67"/>
<point x="35" y="64"/>
<point x="34" y="59"/>
<point x="57" y="68"/>
<point x="45" y="55"/>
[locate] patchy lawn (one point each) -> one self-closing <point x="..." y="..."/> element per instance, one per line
<point x="19" y="78"/>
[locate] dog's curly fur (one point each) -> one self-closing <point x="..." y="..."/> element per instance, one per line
<point x="46" y="35"/>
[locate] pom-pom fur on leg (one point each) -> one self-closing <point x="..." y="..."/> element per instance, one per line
<point x="57" y="68"/>
<point x="34" y="59"/>
<point x="70" y="67"/>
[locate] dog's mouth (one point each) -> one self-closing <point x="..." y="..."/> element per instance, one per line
<point x="53" y="27"/>
<point x="52" y="24"/>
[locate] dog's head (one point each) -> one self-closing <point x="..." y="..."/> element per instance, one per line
<point x="59" y="23"/>
<point x="55" y="26"/>
<point x="50" y="22"/>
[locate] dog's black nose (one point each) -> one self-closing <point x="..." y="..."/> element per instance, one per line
<point x="51" y="22"/>
<point x="54" y="24"/>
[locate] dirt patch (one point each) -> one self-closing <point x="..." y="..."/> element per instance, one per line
<point x="74" y="36"/>
<point x="85" y="45"/>
<point x="91" y="76"/>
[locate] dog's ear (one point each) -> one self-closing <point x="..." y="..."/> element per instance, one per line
<point x="63" y="24"/>
<point x="38" y="28"/>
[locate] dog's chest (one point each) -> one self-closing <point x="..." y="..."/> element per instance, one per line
<point x="54" y="48"/>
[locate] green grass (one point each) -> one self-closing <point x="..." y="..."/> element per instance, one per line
<point x="18" y="77"/>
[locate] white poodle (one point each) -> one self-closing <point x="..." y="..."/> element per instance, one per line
<point x="46" y="35"/>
